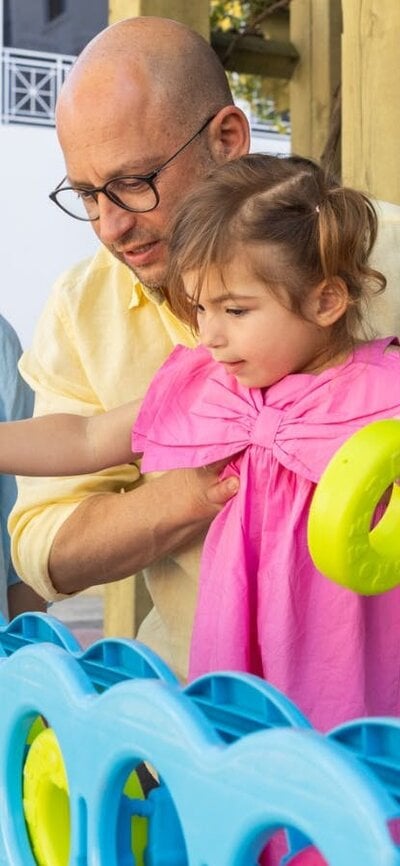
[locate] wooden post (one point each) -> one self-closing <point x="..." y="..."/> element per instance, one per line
<point x="371" y="97"/>
<point x="196" y="14"/>
<point x="126" y="602"/>
<point x="315" y="31"/>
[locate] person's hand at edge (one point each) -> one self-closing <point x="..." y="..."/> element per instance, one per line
<point x="213" y="490"/>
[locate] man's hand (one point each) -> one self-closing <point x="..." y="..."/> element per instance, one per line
<point x="213" y="491"/>
<point x="109" y="537"/>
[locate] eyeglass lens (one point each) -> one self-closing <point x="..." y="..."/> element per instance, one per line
<point x="131" y="193"/>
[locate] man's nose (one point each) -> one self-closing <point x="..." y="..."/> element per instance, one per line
<point x="114" y="222"/>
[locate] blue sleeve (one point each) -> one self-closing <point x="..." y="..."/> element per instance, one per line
<point x="16" y="401"/>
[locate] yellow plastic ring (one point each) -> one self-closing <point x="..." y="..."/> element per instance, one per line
<point x="46" y="801"/>
<point x="47" y="809"/>
<point x="341" y="543"/>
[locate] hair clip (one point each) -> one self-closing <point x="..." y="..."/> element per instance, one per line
<point x="317" y="208"/>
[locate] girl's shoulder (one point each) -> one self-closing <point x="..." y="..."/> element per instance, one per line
<point x="371" y="380"/>
<point x="377" y="352"/>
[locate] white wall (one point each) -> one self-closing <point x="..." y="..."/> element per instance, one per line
<point x="38" y="241"/>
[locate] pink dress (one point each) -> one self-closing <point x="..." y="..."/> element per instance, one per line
<point x="262" y="605"/>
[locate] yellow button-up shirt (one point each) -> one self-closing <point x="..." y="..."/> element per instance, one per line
<point x="98" y="344"/>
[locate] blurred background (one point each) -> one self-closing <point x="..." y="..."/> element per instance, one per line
<point x="315" y="76"/>
<point x="39" y="41"/>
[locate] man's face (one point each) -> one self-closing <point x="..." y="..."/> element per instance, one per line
<point x="98" y="147"/>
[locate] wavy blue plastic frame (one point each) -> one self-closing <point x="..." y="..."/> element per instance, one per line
<point x="236" y="758"/>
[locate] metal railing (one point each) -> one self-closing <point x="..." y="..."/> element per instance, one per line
<point x="30" y="82"/>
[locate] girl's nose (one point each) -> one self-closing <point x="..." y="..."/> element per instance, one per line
<point x="210" y="331"/>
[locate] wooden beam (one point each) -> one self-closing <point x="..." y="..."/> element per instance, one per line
<point x="272" y="58"/>
<point x="371" y="97"/>
<point x="315" y="31"/>
<point x="195" y="14"/>
<point x="255" y="55"/>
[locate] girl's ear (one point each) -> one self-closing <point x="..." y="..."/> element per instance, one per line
<point x="229" y="135"/>
<point x="329" y="301"/>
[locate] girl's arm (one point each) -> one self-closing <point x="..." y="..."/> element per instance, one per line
<point x="67" y="444"/>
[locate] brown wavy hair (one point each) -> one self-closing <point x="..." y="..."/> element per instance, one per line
<point x="297" y="224"/>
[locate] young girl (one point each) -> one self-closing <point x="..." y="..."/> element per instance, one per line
<point x="274" y="262"/>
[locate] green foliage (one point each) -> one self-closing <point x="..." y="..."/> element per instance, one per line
<point x="267" y="101"/>
<point x="267" y="104"/>
<point x="236" y="14"/>
<point x="227" y="15"/>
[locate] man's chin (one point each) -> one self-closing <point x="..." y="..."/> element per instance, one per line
<point x="151" y="276"/>
<point x="154" y="281"/>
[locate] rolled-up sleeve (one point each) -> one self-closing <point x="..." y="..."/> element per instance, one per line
<point x="54" y="370"/>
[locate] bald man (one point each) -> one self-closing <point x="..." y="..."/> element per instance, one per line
<point x="145" y="112"/>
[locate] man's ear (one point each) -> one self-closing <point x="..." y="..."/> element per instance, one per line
<point x="229" y="135"/>
<point x="328" y="302"/>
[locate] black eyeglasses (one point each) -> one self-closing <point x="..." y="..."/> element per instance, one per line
<point x="133" y="192"/>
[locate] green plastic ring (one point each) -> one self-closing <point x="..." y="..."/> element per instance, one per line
<point x="341" y="543"/>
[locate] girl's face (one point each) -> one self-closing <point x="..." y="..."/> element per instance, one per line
<point x="250" y="332"/>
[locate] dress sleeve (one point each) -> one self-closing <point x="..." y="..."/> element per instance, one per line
<point x="160" y="399"/>
<point x="193" y="414"/>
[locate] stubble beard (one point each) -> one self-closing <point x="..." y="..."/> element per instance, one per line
<point x="157" y="283"/>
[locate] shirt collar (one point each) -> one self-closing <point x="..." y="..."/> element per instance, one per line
<point x="138" y="290"/>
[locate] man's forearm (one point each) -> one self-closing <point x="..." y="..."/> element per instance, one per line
<point x="111" y="536"/>
<point x="22" y="598"/>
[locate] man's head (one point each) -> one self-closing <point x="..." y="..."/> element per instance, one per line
<point x="138" y="92"/>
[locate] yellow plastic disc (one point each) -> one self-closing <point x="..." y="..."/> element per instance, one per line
<point x="341" y="542"/>
<point x="46" y="803"/>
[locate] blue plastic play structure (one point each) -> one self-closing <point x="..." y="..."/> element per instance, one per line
<point x="235" y="761"/>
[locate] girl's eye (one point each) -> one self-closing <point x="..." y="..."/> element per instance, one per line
<point x="236" y="311"/>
